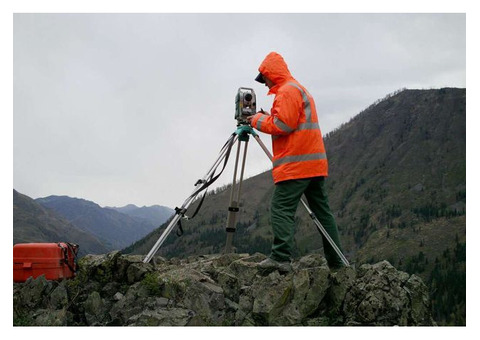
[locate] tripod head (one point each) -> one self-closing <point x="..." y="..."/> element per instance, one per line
<point x="243" y="131"/>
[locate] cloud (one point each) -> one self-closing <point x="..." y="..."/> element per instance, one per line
<point x="133" y="108"/>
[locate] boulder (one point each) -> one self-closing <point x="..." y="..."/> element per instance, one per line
<point x="381" y="296"/>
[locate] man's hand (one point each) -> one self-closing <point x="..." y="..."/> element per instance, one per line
<point x="250" y="118"/>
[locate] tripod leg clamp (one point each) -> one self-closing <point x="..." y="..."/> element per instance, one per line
<point x="181" y="212"/>
<point x="234" y="209"/>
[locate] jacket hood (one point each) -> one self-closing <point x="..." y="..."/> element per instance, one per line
<point x="275" y="68"/>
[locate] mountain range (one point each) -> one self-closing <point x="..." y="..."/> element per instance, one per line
<point x="96" y="229"/>
<point x="155" y="214"/>
<point x="33" y="223"/>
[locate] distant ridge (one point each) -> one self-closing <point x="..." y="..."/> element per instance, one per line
<point x="155" y="214"/>
<point x="33" y="223"/>
<point x="116" y="230"/>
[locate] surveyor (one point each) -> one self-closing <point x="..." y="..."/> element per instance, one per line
<point x="300" y="163"/>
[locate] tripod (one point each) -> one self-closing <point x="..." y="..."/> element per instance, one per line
<point x="242" y="134"/>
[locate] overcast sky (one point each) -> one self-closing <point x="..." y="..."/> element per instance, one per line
<point x="134" y="108"/>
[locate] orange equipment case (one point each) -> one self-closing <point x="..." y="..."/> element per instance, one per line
<point x="56" y="261"/>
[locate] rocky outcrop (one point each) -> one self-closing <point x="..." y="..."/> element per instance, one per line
<point x="116" y="289"/>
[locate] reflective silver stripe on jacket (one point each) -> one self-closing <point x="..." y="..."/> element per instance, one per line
<point x="282" y="126"/>
<point x="308" y="126"/>
<point x="303" y="126"/>
<point x="306" y="102"/>
<point x="300" y="158"/>
<point x="259" y="122"/>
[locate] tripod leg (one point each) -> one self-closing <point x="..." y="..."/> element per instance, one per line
<point x="322" y="230"/>
<point x="264" y="148"/>
<point x="319" y="226"/>
<point x="234" y="201"/>
<point x="162" y="238"/>
<point x="180" y="212"/>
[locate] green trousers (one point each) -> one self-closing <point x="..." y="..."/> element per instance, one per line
<point x="284" y="205"/>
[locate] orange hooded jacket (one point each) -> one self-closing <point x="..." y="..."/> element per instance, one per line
<point x="298" y="149"/>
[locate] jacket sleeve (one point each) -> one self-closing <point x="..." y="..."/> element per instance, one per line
<point x="284" y="116"/>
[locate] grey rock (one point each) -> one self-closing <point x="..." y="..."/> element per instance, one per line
<point x="271" y="294"/>
<point x="95" y="311"/>
<point x="378" y="297"/>
<point x="118" y="296"/>
<point x="47" y="317"/>
<point x="34" y="291"/>
<point x="59" y="296"/>
<point x="419" y="300"/>
<point x="117" y="290"/>
<point x="229" y="284"/>
<point x="161" y="317"/>
<point x="137" y="270"/>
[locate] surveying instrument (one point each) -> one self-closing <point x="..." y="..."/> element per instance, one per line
<point x="245" y="106"/>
